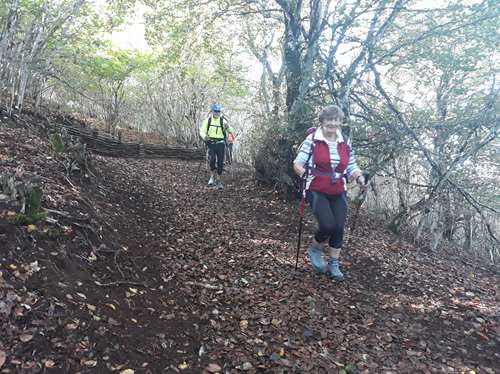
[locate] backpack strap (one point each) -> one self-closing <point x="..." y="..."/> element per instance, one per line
<point x="222" y="127"/>
<point x="346" y="132"/>
<point x="209" y="124"/>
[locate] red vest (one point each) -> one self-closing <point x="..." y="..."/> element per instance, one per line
<point x="324" y="179"/>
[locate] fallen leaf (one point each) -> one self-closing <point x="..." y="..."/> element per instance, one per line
<point x="110" y="306"/>
<point x="213" y="368"/>
<point x="246" y="366"/>
<point x="113" y="322"/>
<point x="85" y="344"/>
<point x="243" y="324"/>
<point x="49" y="364"/>
<point x="90" y="363"/>
<point x="33" y="267"/>
<point x="183" y="366"/>
<point x="18" y="312"/>
<point x="3" y="357"/>
<point x="91" y="307"/>
<point x="29" y="365"/>
<point x="31" y="228"/>
<point x="127" y="371"/>
<point x="71" y="326"/>
<point x="25" y="338"/>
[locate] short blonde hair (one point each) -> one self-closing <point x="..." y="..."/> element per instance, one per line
<point x="331" y="112"/>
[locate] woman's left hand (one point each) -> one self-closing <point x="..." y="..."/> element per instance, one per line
<point x="361" y="180"/>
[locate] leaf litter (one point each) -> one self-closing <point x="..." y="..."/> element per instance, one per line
<point x="164" y="274"/>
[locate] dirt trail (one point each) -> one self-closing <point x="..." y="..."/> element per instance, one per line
<point x="171" y="276"/>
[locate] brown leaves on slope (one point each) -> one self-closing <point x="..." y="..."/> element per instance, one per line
<point x="161" y="274"/>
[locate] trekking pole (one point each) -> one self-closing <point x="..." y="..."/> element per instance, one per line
<point x="198" y="172"/>
<point x="199" y="165"/>
<point x="359" y="201"/>
<point x="301" y="214"/>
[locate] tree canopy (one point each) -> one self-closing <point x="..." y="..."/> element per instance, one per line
<point x="418" y="84"/>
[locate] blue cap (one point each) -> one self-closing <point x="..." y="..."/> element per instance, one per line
<point x="216" y="107"/>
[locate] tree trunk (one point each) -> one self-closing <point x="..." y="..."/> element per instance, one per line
<point x="468" y="231"/>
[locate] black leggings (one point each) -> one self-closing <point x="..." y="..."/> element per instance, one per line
<point x="216" y="154"/>
<point x="330" y="211"/>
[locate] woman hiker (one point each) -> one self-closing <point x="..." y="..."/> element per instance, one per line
<point x="328" y="157"/>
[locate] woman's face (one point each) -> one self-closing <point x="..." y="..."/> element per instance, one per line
<point x="330" y="126"/>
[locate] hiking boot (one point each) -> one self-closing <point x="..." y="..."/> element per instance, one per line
<point x="334" y="270"/>
<point x="211" y="181"/>
<point x="316" y="257"/>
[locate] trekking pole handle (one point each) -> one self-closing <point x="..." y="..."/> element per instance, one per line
<point x="303" y="184"/>
<point x="367" y="176"/>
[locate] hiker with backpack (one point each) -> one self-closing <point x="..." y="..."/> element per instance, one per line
<point x="213" y="131"/>
<point x="325" y="161"/>
<point x="231" y="137"/>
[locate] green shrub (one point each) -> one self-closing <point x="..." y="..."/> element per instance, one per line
<point x="34" y="199"/>
<point x="33" y="209"/>
<point x="57" y="143"/>
<point x="24" y="219"/>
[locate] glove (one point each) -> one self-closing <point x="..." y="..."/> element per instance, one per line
<point x="363" y="180"/>
<point x="360" y="179"/>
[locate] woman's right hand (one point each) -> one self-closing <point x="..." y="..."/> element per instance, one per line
<point x="299" y="170"/>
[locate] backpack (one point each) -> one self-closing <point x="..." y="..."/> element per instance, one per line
<point x="345" y="131"/>
<point x="221" y="124"/>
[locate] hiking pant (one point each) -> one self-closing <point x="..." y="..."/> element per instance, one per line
<point x="216" y="155"/>
<point x="331" y="212"/>
<point x="229" y="153"/>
